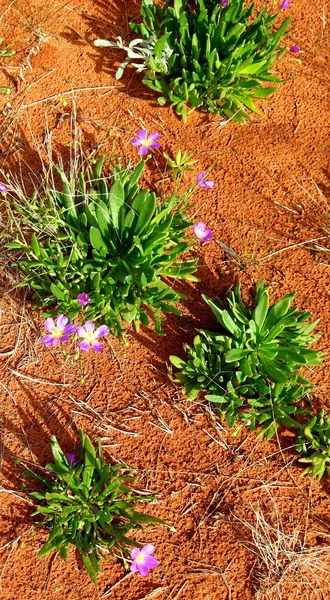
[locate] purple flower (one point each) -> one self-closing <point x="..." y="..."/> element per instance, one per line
<point x="285" y="4"/>
<point x="142" y="560"/>
<point x="203" y="235"/>
<point x="201" y="180"/>
<point x="91" y="337"/>
<point x="145" y="142"/>
<point x="83" y="299"/>
<point x="224" y="3"/>
<point x="72" y="459"/>
<point x="59" y="332"/>
<point x="3" y="189"/>
<point x="295" y="49"/>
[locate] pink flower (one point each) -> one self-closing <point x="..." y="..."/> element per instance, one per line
<point x="224" y="3"/>
<point x="142" y="560"/>
<point x="285" y="4"/>
<point x="295" y="49"/>
<point x="59" y="332"/>
<point x="202" y="233"/>
<point x="201" y="180"/>
<point x="3" y="189"/>
<point x="83" y="299"/>
<point x="91" y="337"/>
<point x="145" y="142"/>
<point x="72" y="459"/>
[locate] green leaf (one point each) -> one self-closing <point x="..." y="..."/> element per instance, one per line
<point x="261" y="310"/>
<point x="272" y="370"/>
<point x="57" y="292"/>
<point x="95" y="238"/>
<point x="236" y="354"/>
<point x="115" y="201"/>
<point x="89" y="567"/>
<point x="177" y="362"/>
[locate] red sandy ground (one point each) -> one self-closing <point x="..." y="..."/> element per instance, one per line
<point x="272" y="184"/>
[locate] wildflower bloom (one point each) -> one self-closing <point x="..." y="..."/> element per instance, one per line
<point x="3" y="189"/>
<point x="201" y="180"/>
<point x="72" y="459"/>
<point x="224" y="3"/>
<point x="143" y="560"/>
<point x="91" y="336"/>
<point x="202" y="233"/>
<point x="83" y="299"/>
<point x="295" y="49"/>
<point x="145" y="142"/>
<point x="59" y="332"/>
<point x="285" y="4"/>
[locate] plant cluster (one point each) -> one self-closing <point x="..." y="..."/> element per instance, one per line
<point x="250" y="368"/>
<point x="314" y="442"/>
<point x="205" y="54"/>
<point x="89" y="504"/>
<point x="116" y="241"/>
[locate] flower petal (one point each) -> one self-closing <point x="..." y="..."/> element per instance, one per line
<point x="49" y="324"/>
<point x="136" y="142"/>
<point x="84" y="345"/>
<point x="83" y="299"/>
<point x="209" y="184"/>
<point x="89" y="326"/>
<point x="143" y="569"/>
<point x="61" y="321"/>
<point x="64" y="338"/>
<point x="208" y="235"/>
<point x="199" y="229"/>
<point x="69" y="329"/>
<point x="71" y="458"/>
<point x="142" y="134"/>
<point x="201" y="176"/>
<point x="101" y="331"/>
<point x="151" y="562"/>
<point x="154" y="145"/>
<point x="97" y="346"/>
<point x="81" y="332"/>
<point x="148" y="549"/>
<point x="135" y="553"/>
<point x="153" y="137"/>
<point x="143" y="150"/>
<point x="48" y="340"/>
<point x="133" y="568"/>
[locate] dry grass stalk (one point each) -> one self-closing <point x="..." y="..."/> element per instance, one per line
<point x="284" y="558"/>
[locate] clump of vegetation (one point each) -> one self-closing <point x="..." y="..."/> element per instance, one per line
<point x="250" y="367"/>
<point x="87" y="503"/>
<point x="314" y="443"/>
<point x="106" y="237"/>
<point x="209" y="55"/>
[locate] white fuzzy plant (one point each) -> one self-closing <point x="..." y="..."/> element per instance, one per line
<point x="138" y="49"/>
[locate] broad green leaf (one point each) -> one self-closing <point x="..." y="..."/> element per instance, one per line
<point x="95" y="238"/>
<point x="115" y="201"/>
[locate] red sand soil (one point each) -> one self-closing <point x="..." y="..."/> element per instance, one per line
<point x="272" y="183"/>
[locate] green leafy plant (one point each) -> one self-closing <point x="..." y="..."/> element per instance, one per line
<point x="250" y="367"/>
<point x="181" y="163"/>
<point x="314" y="442"/>
<point x="207" y="56"/>
<point x="87" y="503"/>
<point x="115" y="241"/>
